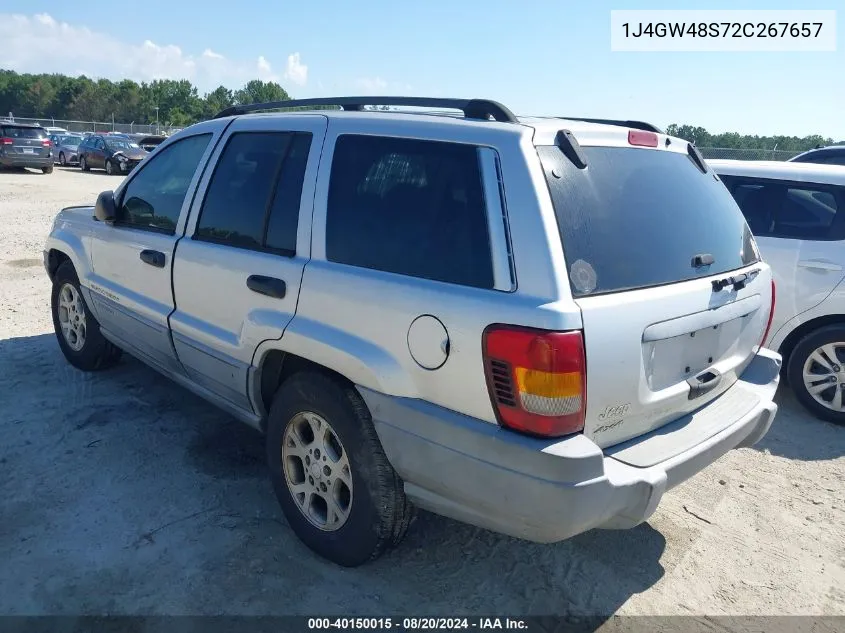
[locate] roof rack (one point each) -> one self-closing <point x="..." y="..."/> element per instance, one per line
<point x="472" y="108"/>
<point x="636" y="125"/>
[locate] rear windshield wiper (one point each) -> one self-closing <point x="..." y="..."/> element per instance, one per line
<point x="737" y="281"/>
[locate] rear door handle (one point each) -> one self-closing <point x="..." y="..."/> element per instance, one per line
<point x="820" y="264"/>
<point x="269" y="286"/>
<point x="153" y="258"/>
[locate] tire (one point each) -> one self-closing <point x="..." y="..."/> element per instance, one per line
<point x="48" y="169"/>
<point x="95" y="352"/>
<point x="62" y="160"/>
<point x="377" y="512"/>
<point x="83" y="164"/>
<point x="109" y="167"/>
<point x="820" y="345"/>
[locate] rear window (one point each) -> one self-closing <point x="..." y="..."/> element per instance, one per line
<point x="637" y="218"/>
<point x="13" y="131"/>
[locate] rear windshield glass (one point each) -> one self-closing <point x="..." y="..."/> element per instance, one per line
<point x="12" y="131"/>
<point x="636" y="218"/>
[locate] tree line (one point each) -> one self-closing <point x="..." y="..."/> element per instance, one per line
<point x="178" y="103"/>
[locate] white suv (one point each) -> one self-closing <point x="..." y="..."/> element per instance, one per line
<point x="797" y="213"/>
<point x="537" y="326"/>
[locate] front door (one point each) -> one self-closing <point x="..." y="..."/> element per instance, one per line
<point x="237" y="272"/>
<point x="133" y="257"/>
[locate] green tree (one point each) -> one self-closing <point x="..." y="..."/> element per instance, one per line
<point x="257" y="91"/>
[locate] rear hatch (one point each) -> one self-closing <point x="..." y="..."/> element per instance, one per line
<point x="646" y="232"/>
<point x="24" y="141"/>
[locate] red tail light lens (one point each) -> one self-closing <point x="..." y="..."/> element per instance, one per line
<point x="642" y="138"/>
<point x="537" y="379"/>
<point x="771" y="316"/>
<point x="46" y="142"/>
<point x="6" y="141"/>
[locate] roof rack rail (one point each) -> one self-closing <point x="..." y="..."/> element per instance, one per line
<point x="636" y="125"/>
<point x="472" y="108"/>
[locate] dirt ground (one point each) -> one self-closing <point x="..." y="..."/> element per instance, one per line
<point x="122" y="493"/>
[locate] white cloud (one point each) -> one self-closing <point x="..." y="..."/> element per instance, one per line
<point x="378" y="86"/>
<point x="296" y="71"/>
<point x="41" y="44"/>
<point x="371" y="84"/>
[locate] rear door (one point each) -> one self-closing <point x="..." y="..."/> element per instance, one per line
<point x="26" y="142"/>
<point x="800" y="228"/>
<point x="645" y="233"/>
<point x="237" y="273"/>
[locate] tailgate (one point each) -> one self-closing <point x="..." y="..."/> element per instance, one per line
<point x="646" y="232"/>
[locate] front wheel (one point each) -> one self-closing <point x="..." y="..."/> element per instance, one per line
<point x="109" y="167"/>
<point x="77" y="331"/>
<point x="816" y="373"/>
<point x="336" y="487"/>
<point x="83" y="164"/>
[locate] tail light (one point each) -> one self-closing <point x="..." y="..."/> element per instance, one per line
<point x="771" y="316"/>
<point x="47" y="142"/>
<point x="537" y="379"/>
<point x="6" y="141"/>
<point x="642" y="138"/>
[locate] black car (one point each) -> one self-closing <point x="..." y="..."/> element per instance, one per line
<point x="23" y="145"/>
<point x="148" y="141"/>
<point x="833" y="155"/>
<point x="116" y="154"/>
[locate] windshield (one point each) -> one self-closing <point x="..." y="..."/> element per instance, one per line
<point x="70" y="139"/>
<point x="636" y="218"/>
<point x="119" y="145"/>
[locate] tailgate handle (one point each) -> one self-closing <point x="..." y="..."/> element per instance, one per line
<point x="703" y="383"/>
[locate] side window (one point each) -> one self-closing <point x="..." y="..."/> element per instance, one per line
<point x="410" y="207"/>
<point x="258" y="173"/>
<point x="787" y="210"/>
<point x="153" y="199"/>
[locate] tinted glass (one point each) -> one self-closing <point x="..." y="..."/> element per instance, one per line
<point x="12" y="131"/>
<point x="410" y="207"/>
<point x="636" y="218"/>
<point x="238" y="195"/>
<point x="153" y="199"/>
<point x="284" y="212"/>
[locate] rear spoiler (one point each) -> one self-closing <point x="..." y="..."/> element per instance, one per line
<point x="636" y="125"/>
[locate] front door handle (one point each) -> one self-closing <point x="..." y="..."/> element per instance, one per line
<point x="153" y="258"/>
<point x="820" y="264"/>
<point x="269" y="286"/>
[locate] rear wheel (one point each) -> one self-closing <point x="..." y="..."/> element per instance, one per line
<point x="83" y="164"/>
<point x="816" y="373"/>
<point x="77" y="331"/>
<point x="62" y="160"/>
<point x="48" y="169"/>
<point x="336" y="487"/>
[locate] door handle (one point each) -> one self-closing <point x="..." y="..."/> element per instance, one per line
<point x="820" y="264"/>
<point x="704" y="382"/>
<point x="153" y="258"/>
<point x="269" y="286"/>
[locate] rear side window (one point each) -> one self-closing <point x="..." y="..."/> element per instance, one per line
<point x="409" y="207"/>
<point x="254" y="195"/>
<point x="789" y="210"/>
<point x="13" y="131"/>
<point x="636" y="218"/>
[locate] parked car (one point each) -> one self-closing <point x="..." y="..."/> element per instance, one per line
<point x="833" y="155"/>
<point x="537" y="326"/>
<point x="115" y="154"/>
<point x="65" y="148"/>
<point x="797" y="213"/>
<point x="24" y="145"/>
<point x="51" y="130"/>
<point x="147" y="142"/>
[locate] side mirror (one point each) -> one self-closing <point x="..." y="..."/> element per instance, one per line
<point x="105" y="209"/>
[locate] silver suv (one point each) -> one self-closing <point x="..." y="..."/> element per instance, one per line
<point x="537" y="326"/>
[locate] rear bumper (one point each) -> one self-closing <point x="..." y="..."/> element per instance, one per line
<point x="549" y="490"/>
<point x="24" y="160"/>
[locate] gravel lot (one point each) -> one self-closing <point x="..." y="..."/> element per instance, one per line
<point x="123" y="493"/>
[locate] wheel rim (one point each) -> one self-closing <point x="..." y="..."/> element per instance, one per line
<point x="82" y="163"/>
<point x="108" y="167"/>
<point x="62" y="160"/>
<point x="72" y="317"/>
<point x="316" y="469"/>
<point x="824" y="376"/>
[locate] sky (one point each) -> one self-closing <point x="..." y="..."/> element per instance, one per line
<point x="537" y="57"/>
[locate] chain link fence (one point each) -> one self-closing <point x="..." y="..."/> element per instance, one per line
<point x="746" y="154"/>
<point x="97" y="126"/>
